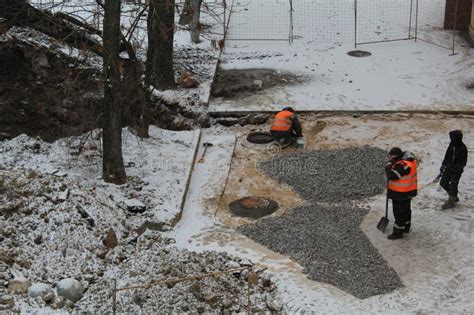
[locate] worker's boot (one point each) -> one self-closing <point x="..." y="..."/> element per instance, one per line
<point x="449" y="203"/>
<point x="397" y="234"/>
<point x="407" y="227"/>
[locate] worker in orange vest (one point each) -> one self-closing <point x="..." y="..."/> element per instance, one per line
<point x="402" y="177"/>
<point x="286" y="126"/>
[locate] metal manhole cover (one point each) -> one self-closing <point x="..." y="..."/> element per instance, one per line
<point x="259" y="137"/>
<point x="359" y="53"/>
<point x="254" y="202"/>
<point x="253" y="207"/>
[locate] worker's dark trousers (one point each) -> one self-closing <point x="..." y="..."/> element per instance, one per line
<point x="289" y="136"/>
<point x="450" y="181"/>
<point x="401" y="212"/>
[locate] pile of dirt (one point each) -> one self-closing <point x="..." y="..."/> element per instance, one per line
<point x="44" y="93"/>
<point x="245" y="82"/>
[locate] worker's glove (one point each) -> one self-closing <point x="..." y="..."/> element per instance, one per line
<point x="442" y="169"/>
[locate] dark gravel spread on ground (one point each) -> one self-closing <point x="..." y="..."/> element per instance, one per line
<point x="324" y="235"/>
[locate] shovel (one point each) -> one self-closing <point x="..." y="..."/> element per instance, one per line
<point x="382" y="225"/>
<point x="206" y="145"/>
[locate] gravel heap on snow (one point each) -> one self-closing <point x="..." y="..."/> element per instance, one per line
<point x="324" y="235"/>
<point x="73" y="244"/>
<point x="332" y="175"/>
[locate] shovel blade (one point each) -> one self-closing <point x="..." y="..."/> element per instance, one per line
<point x="382" y="225"/>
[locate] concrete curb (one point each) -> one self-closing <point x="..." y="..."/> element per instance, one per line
<point x="197" y="143"/>
<point x="221" y="114"/>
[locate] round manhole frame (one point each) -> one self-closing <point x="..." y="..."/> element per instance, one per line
<point x="265" y="137"/>
<point x="359" y="53"/>
<point x="239" y="209"/>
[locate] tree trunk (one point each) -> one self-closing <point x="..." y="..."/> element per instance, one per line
<point x="195" y="25"/>
<point x="151" y="46"/>
<point x="185" y="16"/>
<point x="113" y="170"/>
<point x="162" y="75"/>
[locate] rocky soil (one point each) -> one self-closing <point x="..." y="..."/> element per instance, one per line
<point x="61" y="245"/>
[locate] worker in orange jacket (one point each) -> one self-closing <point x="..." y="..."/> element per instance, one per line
<point x="286" y="126"/>
<point x="402" y="187"/>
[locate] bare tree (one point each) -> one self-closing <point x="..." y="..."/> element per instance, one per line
<point x="196" y="15"/>
<point x="185" y="16"/>
<point x="112" y="162"/>
<point x="160" y="44"/>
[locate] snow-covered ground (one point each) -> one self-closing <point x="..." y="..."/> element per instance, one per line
<point x="435" y="261"/>
<point x="398" y="76"/>
<point x="158" y="167"/>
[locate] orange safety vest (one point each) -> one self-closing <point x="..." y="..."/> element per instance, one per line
<point x="282" y="121"/>
<point x="408" y="182"/>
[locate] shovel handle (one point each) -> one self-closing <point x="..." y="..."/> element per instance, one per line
<point x="386" y="203"/>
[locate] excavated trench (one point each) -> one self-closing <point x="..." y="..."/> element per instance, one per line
<point x="238" y="84"/>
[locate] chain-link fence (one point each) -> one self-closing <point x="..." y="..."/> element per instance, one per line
<point x="259" y="20"/>
<point x="355" y="22"/>
<point x="383" y="20"/>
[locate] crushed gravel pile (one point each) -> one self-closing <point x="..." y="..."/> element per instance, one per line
<point x="324" y="235"/>
<point x="327" y="242"/>
<point x="332" y="175"/>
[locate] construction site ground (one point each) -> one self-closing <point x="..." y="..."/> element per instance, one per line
<point x="434" y="261"/>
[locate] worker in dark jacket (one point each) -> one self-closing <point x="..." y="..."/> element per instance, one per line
<point x="402" y="177"/>
<point x="452" y="167"/>
<point x="286" y="126"/>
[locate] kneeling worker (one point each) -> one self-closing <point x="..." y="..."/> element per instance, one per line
<point x="286" y="126"/>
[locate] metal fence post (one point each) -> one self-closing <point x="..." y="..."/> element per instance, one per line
<point x="455" y="25"/>
<point x="411" y="16"/>
<point x="355" y="23"/>
<point x="416" y="20"/>
<point x="290" y="35"/>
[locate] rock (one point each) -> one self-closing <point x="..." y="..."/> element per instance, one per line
<point x="39" y="289"/>
<point x="111" y="239"/>
<point x="232" y="264"/>
<point x="58" y="303"/>
<point x="6" y="300"/>
<point x="134" y="205"/>
<point x="89" y="278"/>
<point x="245" y="262"/>
<point x="48" y="297"/>
<point x="70" y="289"/>
<point x="102" y="254"/>
<point x="38" y="239"/>
<point x="6" y="258"/>
<point x="258" y="84"/>
<point x="274" y="305"/>
<point x="19" y="284"/>
<point x="187" y="80"/>
<point x="63" y="195"/>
